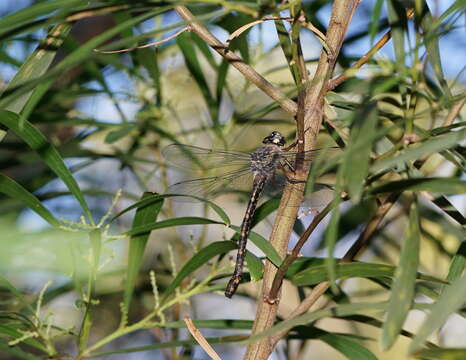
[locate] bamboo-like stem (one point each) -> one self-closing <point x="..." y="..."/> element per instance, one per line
<point x="249" y="73"/>
<point x="342" y="13"/>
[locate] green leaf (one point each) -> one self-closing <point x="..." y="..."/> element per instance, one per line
<point x="14" y="190"/>
<point x="432" y="145"/>
<point x="441" y="354"/>
<point x="348" y="347"/>
<point x="403" y="287"/>
<point x="221" y="79"/>
<point x="331" y="236"/>
<point x="16" y="353"/>
<point x="35" y="10"/>
<point x="375" y="18"/>
<point x="255" y="266"/>
<point x="398" y="24"/>
<point x="220" y="212"/>
<point x="35" y="66"/>
<point x="16" y="293"/>
<point x="120" y="133"/>
<point x="357" y="154"/>
<point x="180" y="221"/>
<point x="173" y="344"/>
<point x="264" y="210"/>
<point x="440" y="185"/>
<point x="203" y="256"/>
<point x="185" y="44"/>
<point x="458" y="262"/>
<point x="213" y="324"/>
<point x="137" y="244"/>
<point x="431" y="38"/>
<point x="36" y="141"/>
<point x="149" y="59"/>
<point x="318" y="273"/>
<point x="265" y="246"/>
<point x="451" y="300"/>
<point x="83" y="52"/>
<point x="336" y="311"/>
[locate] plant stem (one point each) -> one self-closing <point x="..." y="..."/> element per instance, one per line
<point x="249" y="73"/>
<point x="342" y="13"/>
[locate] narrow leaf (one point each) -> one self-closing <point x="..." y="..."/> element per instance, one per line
<point x="14" y="190"/>
<point x="181" y="221"/>
<point x="403" y="287"/>
<point x="264" y="245"/>
<point x="318" y="273"/>
<point x="433" y="145"/>
<point x="220" y="212"/>
<point x="451" y="300"/>
<point x="203" y="256"/>
<point x="440" y="185"/>
<point x="337" y="311"/>
<point x="34" y="138"/>
<point x="357" y="154"/>
<point x="35" y="66"/>
<point x="375" y="18"/>
<point x="348" y="347"/>
<point x="441" y="354"/>
<point x="255" y="266"/>
<point x="458" y="262"/>
<point x="144" y="215"/>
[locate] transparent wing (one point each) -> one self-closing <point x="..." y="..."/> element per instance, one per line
<point x="188" y="156"/>
<point x="310" y="155"/>
<point x="211" y="186"/>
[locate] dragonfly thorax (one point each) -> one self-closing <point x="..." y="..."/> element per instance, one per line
<point x="265" y="160"/>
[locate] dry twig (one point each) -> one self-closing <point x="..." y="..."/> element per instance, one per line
<point x="200" y="339"/>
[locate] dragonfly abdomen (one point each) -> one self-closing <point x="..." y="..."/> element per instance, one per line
<point x="243" y="238"/>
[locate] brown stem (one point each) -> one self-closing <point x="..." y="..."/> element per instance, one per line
<point x="277" y="281"/>
<point x="249" y="73"/>
<point x="360" y="243"/>
<point x="455" y="110"/>
<point x="365" y="58"/>
<point x="342" y="13"/>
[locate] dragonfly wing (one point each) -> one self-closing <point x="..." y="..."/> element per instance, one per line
<point x="189" y="157"/>
<point x="310" y="155"/>
<point x="211" y="186"/>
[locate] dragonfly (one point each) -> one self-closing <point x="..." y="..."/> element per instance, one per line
<point x="260" y="164"/>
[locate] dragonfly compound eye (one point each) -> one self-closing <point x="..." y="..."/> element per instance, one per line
<point x="274" y="138"/>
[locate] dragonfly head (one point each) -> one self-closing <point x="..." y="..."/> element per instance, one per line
<point x="274" y="138"/>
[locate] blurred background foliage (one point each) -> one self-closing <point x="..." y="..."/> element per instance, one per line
<point x="94" y="263"/>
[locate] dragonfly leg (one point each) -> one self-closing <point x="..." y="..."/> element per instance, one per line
<point x="290" y="166"/>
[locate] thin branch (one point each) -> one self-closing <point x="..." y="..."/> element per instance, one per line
<point x="90" y="13"/>
<point x="360" y="243"/>
<point x="153" y="43"/>
<point x="455" y="110"/>
<point x="366" y="57"/>
<point x="249" y="73"/>
<point x="363" y="60"/>
<point x="200" y="339"/>
<point x="245" y="27"/>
